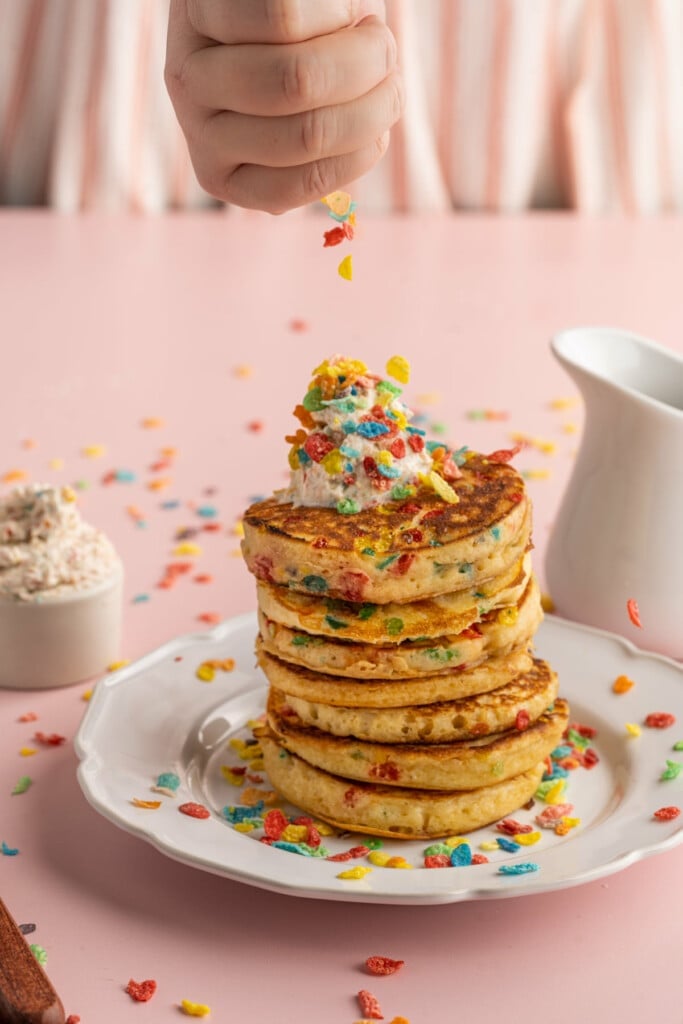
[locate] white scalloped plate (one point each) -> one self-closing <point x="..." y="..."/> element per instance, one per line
<point x="155" y="716"/>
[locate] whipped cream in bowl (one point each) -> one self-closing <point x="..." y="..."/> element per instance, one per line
<point x="60" y="591"/>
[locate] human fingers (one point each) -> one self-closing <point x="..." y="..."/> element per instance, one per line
<point x="230" y="139"/>
<point x="276" y="21"/>
<point x="288" y="79"/>
<point x="278" y="189"/>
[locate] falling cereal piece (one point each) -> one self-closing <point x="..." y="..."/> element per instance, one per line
<point x="338" y="203"/>
<point x="187" y="549"/>
<point x="633" y="612"/>
<point x="148" y="805"/>
<point x="255" y="426"/>
<point x="569" y="428"/>
<point x="345" y="268"/>
<point x="152" y="423"/>
<point x="622" y="684"/>
<point x="381" y="965"/>
<point x="22" y="785"/>
<point x="398" y="367"/>
<point x="559" y="404"/>
<point x="210" y="618"/>
<point x="86" y="695"/>
<point x="52" y="739"/>
<point x="28" y="751"/>
<point x="160" y="484"/>
<point x="93" y="451"/>
<point x="56" y="464"/>
<point x="243" y="371"/>
<point x="195" y="1009"/>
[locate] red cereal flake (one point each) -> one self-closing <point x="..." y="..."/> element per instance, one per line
<point x="49" y="740"/>
<point x="255" y="426"/>
<point x="383" y="965"/>
<point x="398" y="448"/>
<point x="313" y="837"/>
<point x="522" y="720"/>
<point x="352" y="584"/>
<point x="589" y="758"/>
<point x="73" y="1018"/>
<point x="660" y="720"/>
<point x="210" y="618"/>
<point x="298" y="325"/>
<point x="510" y="827"/>
<point x="317" y="446"/>
<point x="412" y="536"/>
<point x="334" y="236"/>
<point x="437" y="860"/>
<point x="400" y="567"/>
<point x="416" y="442"/>
<point x="193" y="810"/>
<point x="386" y="770"/>
<point x="274" y="823"/>
<point x="369" y="1006"/>
<point x="667" y="813"/>
<point x="504" y="454"/>
<point x="29" y="716"/>
<point x="587" y="731"/>
<point x="141" y="991"/>
<point x="479" y="858"/>
<point x="633" y="612"/>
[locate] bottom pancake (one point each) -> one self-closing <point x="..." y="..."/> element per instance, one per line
<point x="390" y="811"/>
<point x="468" y="764"/>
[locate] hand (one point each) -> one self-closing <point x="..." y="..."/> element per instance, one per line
<point x="282" y="101"/>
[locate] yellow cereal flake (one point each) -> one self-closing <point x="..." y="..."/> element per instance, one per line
<point x="354" y="873"/>
<point x="338" y="203"/>
<point x="454" y="841"/>
<point x="489" y="844"/>
<point x="633" y="729"/>
<point x="622" y="684"/>
<point x="323" y="828"/>
<point x="555" y="793"/>
<point x="28" y="751"/>
<point x="384" y="458"/>
<point x="224" y="664"/>
<point x="295" y="833"/>
<point x="148" y="805"/>
<point x="333" y="462"/>
<point x="152" y="422"/>
<point x="187" y="549"/>
<point x="378" y="858"/>
<point x="238" y="528"/>
<point x="56" y="464"/>
<point x="527" y="838"/>
<point x="160" y="484"/>
<point x="116" y="665"/>
<point x="87" y="694"/>
<point x="345" y="268"/>
<point x="205" y="672"/>
<point x="195" y="1009"/>
<point x="399" y="368"/>
<point x="247" y="751"/>
<point x="14" y="476"/>
<point x="244" y="826"/>
<point x="536" y="474"/>
<point x="570" y="428"/>
<point x="444" y="490"/>
<point x="93" y="451"/>
<point x="563" y="403"/>
<point x="507" y="616"/>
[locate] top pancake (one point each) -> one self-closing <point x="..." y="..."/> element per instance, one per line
<point x="400" y="551"/>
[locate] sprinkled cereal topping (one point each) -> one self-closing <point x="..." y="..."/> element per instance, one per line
<point x="357" y="447"/>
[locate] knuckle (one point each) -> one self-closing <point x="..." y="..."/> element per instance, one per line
<point x="317" y="133"/>
<point x="302" y="81"/>
<point x="284" y="20"/>
<point x="317" y="179"/>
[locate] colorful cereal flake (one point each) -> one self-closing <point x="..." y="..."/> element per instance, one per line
<point x="369" y="1006"/>
<point x="141" y="991"/>
<point x="381" y="965"/>
<point x="195" y="1009"/>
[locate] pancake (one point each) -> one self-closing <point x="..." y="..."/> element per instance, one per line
<point x="498" y="633"/>
<point x="468" y="764"/>
<point x="401" y="551"/>
<point x="440" y="722"/>
<point x="372" y="623"/>
<point x="391" y="811"/>
<point x="342" y="692"/>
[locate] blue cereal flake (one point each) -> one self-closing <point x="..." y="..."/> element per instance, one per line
<point x="125" y="476"/>
<point x="207" y="511"/>
<point x="168" y="780"/>
<point x="300" y="848"/>
<point x="171" y="503"/>
<point x="518" y="869"/>
<point x="562" y="751"/>
<point x="8" y="851"/>
<point x="495" y="532"/>
<point x="390" y="472"/>
<point x="318" y="584"/>
<point x="371" y="428"/>
<point x="557" y="773"/>
<point x="140" y="598"/>
<point x="236" y="815"/>
<point x="461" y="857"/>
<point x="508" y="845"/>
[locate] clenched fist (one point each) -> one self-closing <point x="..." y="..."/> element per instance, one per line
<point x="282" y="101"/>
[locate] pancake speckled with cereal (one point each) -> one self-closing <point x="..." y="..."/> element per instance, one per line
<point x="374" y="512"/>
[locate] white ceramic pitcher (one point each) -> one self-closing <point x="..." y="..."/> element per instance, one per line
<point x="618" y="534"/>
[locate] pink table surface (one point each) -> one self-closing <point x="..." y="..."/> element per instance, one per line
<point x="107" y="322"/>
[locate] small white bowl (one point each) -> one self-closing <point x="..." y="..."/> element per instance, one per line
<point x="62" y="640"/>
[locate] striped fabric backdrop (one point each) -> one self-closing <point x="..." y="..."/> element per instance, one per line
<point x="510" y="104"/>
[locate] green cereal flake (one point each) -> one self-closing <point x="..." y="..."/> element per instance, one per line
<point x="678" y="745"/>
<point x="393" y="626"/>
<point x="318" y="584"/>
<point x="672" y="771"/>
<point x="373" y="844"/>
<point x="336" y="623"/>
<point x="300" y="640"/>
<point x="313" y="400"/>
<point x="348" y="507"/>
<point x="440" y="654"/>
<point x="387" y="386"/>
<point x="386" y="562"/>
<point x="39" y="952"/>
<point x="366" y="611"/>
<point x="435" y="543"/>
<point x="465" y="567"/>
<point x="438" y="428"/>
<point x="22" y="785"/>
<point x="370" y="552"/>
<point x="435" y="849"/>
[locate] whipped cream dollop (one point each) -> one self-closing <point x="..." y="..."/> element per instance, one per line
<point x="357" y="446"/>
<point x="46" y="550"/>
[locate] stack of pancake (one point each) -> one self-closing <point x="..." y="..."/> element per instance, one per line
<point x="404" y="698"/>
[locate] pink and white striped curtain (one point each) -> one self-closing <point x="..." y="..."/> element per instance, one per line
<point x="510" y="104"/>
